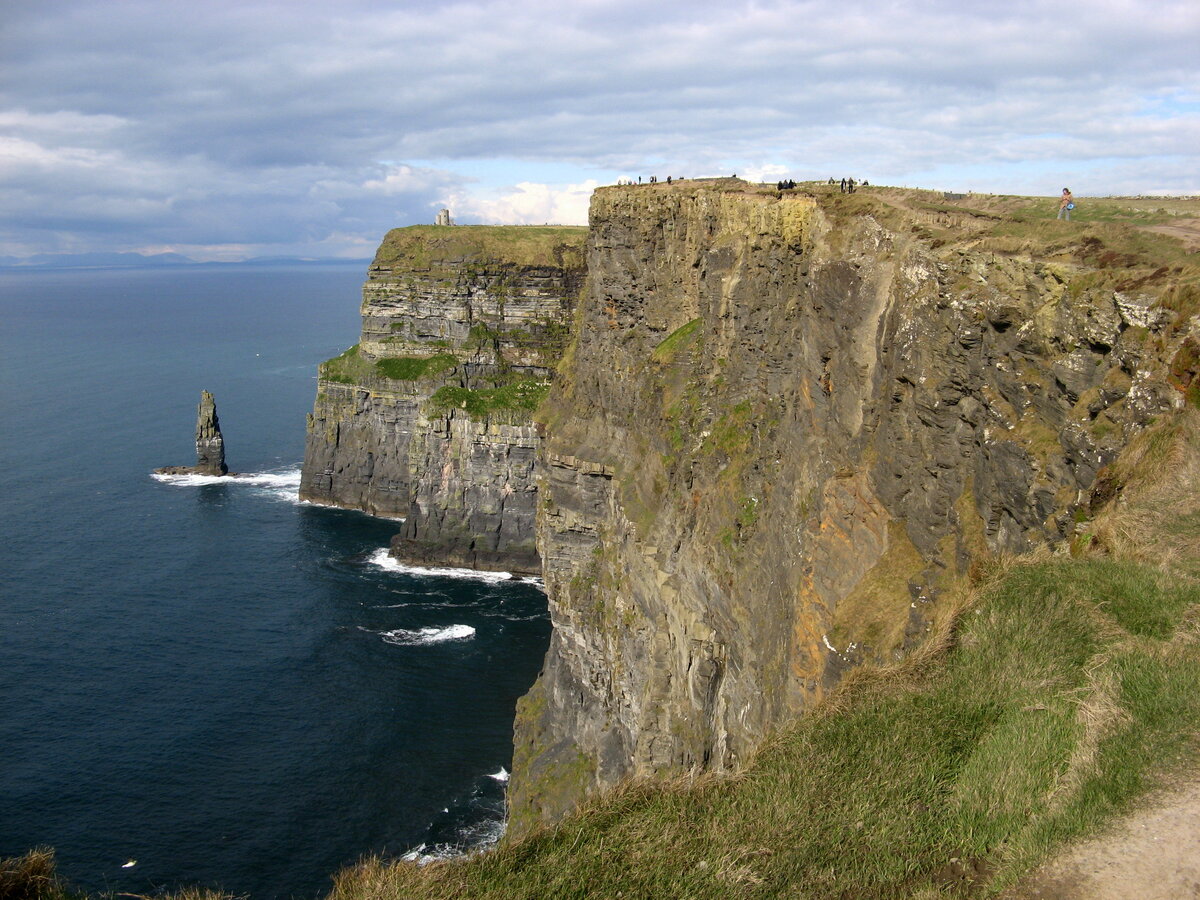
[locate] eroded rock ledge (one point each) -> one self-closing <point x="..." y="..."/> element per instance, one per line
<point x="790" y="424"/>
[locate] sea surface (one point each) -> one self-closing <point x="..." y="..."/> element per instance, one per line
<point x="205" y="677"/>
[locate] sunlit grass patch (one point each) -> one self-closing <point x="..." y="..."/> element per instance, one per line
<point x="414" y="368"/>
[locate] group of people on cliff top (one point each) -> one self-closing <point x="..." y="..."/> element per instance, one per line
<point x="849" y="184"/>
<point x="652" y="180"/>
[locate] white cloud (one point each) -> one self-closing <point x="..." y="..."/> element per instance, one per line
<point x="261" y="123"/>
<point x="765" y="172"/>
<point x="528" y="203"/>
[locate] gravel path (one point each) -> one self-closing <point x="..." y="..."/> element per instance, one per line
<point x="1154" y="854"/>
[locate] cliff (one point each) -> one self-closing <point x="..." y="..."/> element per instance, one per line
<point x="429" y="416"/>
<point x="790" y="425"/>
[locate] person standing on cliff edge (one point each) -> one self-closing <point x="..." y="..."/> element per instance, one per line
<point x="1066" y="204"/>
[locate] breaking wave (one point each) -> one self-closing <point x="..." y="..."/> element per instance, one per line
<point x="484" y="836"/>
<point x="417" y="636"/>
<point x="283" y="485"/>
<point x="380" y="558"/>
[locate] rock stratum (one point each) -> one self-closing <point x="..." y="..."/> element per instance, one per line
<point x="789" y="426"/>
<point x="429" y="416"/>
<point x="784" y="429"/>
<point x="210" y="445"/>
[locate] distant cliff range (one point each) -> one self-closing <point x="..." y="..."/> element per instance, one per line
<point x="150" y="261"/>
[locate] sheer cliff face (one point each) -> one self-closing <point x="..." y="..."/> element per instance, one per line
<point x="429" y="416"/>
<point x="787" y="427"/>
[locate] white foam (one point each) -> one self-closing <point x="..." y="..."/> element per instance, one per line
<point x="418" y="636"/>
<point x="501" y="776"/>
<point x="347" y="509"/>
<point x="380" y="558"/>
<point x="285" y="485"/>
<point x="486" y="835"/>
<point x="423" y="855"/>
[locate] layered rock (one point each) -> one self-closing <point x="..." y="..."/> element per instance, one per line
<point x="429" y="417"/>
<point x="210" y="445"/>
<point x="789" y="426"/>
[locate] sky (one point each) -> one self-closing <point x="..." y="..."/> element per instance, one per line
<point x="230" y="130"/>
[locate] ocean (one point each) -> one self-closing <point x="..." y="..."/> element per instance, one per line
<point x="204" y="677"/>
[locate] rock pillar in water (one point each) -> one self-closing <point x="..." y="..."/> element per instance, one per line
<point x="210" y="446"/>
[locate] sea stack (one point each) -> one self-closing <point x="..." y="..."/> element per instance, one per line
<point x="210" y="446"/>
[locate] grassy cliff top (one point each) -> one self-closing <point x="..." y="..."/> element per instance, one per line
<point x="1143" y="244"/>
<point x="970" y="214"/>
<point x="422" y="247"/>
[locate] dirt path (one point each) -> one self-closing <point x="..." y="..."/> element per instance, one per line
<point x="1154" y="854"/>
<point x="1187" y="230"/>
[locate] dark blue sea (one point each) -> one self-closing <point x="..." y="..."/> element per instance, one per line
<point x="206" y="676"/>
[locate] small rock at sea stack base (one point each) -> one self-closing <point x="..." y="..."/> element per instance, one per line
<point x="210" y="445"/>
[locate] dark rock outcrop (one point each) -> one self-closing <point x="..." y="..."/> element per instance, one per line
<point x="210" y="445"/>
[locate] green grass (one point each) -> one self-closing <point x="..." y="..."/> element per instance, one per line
<point x="426" y="247"/>
<point x="1135" y="211"/>
<point x="512" y="402"/>
<point x="352" y="368"/>
<point x="348" y="368"/>
<point x="415" y="368"/>
<point x="676" y="340"/>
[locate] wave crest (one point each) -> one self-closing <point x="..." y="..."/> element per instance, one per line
<point x="285" y="485"/>
<point x="417" y="636"/>
<point x="380" y="558"/>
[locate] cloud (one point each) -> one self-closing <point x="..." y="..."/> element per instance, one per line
<point x="283" y="126"/>
<point x="528" y="203"/>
